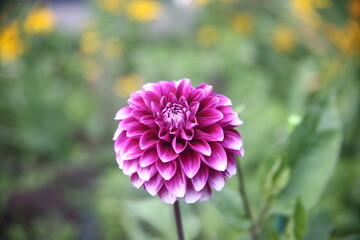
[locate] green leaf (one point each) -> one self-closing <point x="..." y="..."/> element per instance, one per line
<point x="276" y="180"/>
<point x="312" y="153"/>
<point x="300" y="220"/>
<point x="229" y="204"/>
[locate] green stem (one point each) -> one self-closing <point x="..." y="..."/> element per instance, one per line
<point x="253" y="230"/>
<point x="179" y="227"/>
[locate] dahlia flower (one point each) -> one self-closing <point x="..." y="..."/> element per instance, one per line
<point x="178" y="141"/>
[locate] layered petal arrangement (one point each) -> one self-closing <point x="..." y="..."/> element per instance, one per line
<point x="178" y="141"/>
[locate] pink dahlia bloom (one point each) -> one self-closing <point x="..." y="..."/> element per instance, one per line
<point x="178" y="141"/>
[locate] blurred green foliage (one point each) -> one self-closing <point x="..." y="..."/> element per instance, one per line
<point x="291" y="69"/>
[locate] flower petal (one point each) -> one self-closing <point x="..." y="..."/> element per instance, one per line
<point x="148" y="157"/>
<point x="210" y="133"/>
<point x="178" y="144"/>
<point x="167" y="170"/>
<point x="217" y="160"/>
<point x="190" y="162"/>
<point x="177" y="184"/>
<point x="232" y="140"/>
<point x="130" y="149"/>
<point x="206" y="193"/>
<point x="191" y="194"/>
<point x="224" y="101"/>
<point x="136" y="181"/>
<point x="200" y="179"/>
<point x="148" y="121"/>
<point x="136" y="130"/>
<point x="148" y="139"/>
<point x="231" y="166"/>
<point x="200" y="146"/>
<point x="130" y="167"/>
<point x="183" y="87"/>
<point x="209" y="116"/>
<point x="216" y="180"/>
<point x="154" y="184"/>
<point x="145" y="173"/>
<point x="166" y="196"/>
<point x="165" y="151"/>
<point x="123" y="113"/>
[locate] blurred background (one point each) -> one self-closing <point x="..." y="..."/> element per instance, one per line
<point x="67" y="66"/>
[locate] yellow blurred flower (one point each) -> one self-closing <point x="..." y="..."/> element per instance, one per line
<point x="127" y="84"/>
<point x="111" y="6"/>
<point x="92" y="70"/>
<point x="284" y="39"/>
<point x="112" y="48"/>
<point x="40" y="20"/>
<point x="346" y="39"/>
<point x="306" y="10"/>
<point x="354" y="8"/>
<point x="144" y="10"/>
<point x="242" y="23"/>
<point x="10" y="43"/>
<point x="207" y="36"/>
<point x="89" y="42"/>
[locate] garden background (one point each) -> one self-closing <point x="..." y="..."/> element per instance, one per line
<point x="291" y="69"/>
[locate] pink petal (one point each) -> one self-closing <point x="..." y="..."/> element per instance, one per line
<point x="119" y="142"/>
<point x="166" y="196"/>
<point x="128" y="122"/>
<point x="136" y="101"/>
<point x="130" y="149"/>
<point x="165" y="151"/>
<point x="119" y="161"/>
<point x="149" y="121"/>
<point x="216" y="180"/>
<point x="178" y="144"/>
<point x="208" y="89"/>
<point x="210" y="133"/>
<point x="232" y="140"/>
<point x="148" y="139"/>
<point x="190" y="162"/>
<point x="235" y="122"/>
<point x="206" y="193"/>
<point x="194" y="107"/>
<point x="123" y="113"/>
<point x="200" y="146"/>
<point x="231" y="166"/>
<point x="183" y="87"/>
<point x="209" y="102"/>
<point x="154" y="184"/>
<point x="209" y="116"/>
<point x="136" y="130"/>
<point x="191" y="194"/>
<point x="164" y="134"/>
<point x="138" y="113"/>
<point x="148" y="157"/>
<point x="187" y="134"/>
<point x="228" y="113"/>
<point x="145" y="173"/>
<point x="196" y="95"/>
<point x="130" y="166"/>
<point x="224" y="101"/>
<point x="136" y="181"/>
<point x="177" y="184"/>
<point x="150" y="96"/>
<point x="167" y="170"/>
<point x="217" y="160"/>
<point x="200" y="179"/>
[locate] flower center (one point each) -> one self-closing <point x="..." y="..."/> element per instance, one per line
<point x="174" y="115"/>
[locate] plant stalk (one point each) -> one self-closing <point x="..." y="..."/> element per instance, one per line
<point x="179" y="227"/>
<point x="253" y="230"/>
